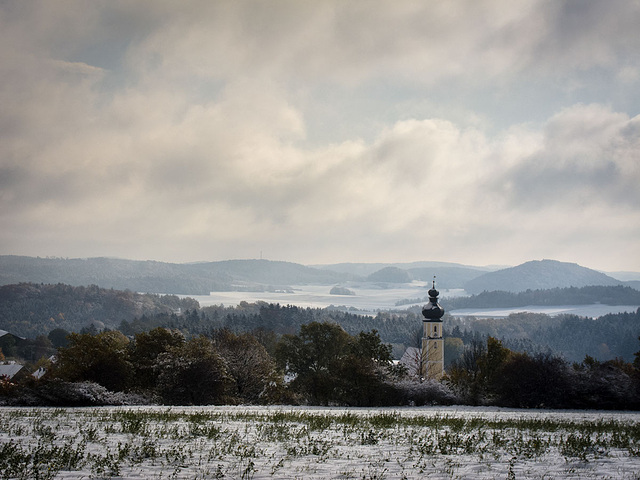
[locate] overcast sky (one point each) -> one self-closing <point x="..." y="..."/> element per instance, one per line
<point x="479" y="132"/>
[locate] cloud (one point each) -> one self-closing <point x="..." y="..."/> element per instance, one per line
<point x="425" y="187"/>
<point x="589" y="154"/>
<point x="189" y="131"/>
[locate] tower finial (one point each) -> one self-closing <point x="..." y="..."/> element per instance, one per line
<point x="432" y="310"/>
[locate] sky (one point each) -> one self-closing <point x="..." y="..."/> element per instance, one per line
<point x="477" y="132"/>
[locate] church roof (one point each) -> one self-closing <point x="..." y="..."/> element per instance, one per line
<point x="432" y="311"/>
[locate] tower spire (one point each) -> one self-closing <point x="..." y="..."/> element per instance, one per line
<point x="432" y="358"/>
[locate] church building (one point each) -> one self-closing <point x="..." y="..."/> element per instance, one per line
<point x="432" y="358"/>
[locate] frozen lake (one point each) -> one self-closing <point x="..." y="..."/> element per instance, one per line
<point x="370" y="298"/>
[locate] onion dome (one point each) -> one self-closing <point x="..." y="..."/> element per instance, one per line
<point x="432" y="311"/>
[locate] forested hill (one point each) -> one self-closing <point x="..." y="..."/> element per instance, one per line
<point x="542" y="274"/>
<point x="612" y="295"/>
<point x="161" y="277"/>
<point x="268" y="275"/>
<point x="29" y="310"/>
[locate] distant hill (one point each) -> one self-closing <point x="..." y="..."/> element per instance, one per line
<point x="539" y="275"/>
<point x="390" y="275"/>
<point x="160" y="277"/>
<point x="268" y="272"/>
<point x="448" y="275"/>
<point x="266" y="275"/>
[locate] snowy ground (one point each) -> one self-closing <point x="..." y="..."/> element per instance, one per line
<point x="317" y="443"/>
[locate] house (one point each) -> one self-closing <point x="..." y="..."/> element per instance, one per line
<point x="40" y="372"/>
<point x="9" y="370"/>
<point x="4" y="333"/>
<point x="8" y="342"/>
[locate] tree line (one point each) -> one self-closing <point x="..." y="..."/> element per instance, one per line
<point x="572" y="337"/>
<point x="608" y="295"/>
<point x="491" y="374"/>
<point x="321" y="364"/>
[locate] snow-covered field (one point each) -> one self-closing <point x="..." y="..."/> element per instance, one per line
<point x="317" y="443"/>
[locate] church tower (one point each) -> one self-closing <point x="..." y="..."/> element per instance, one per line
<point x="432" y="359"/>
